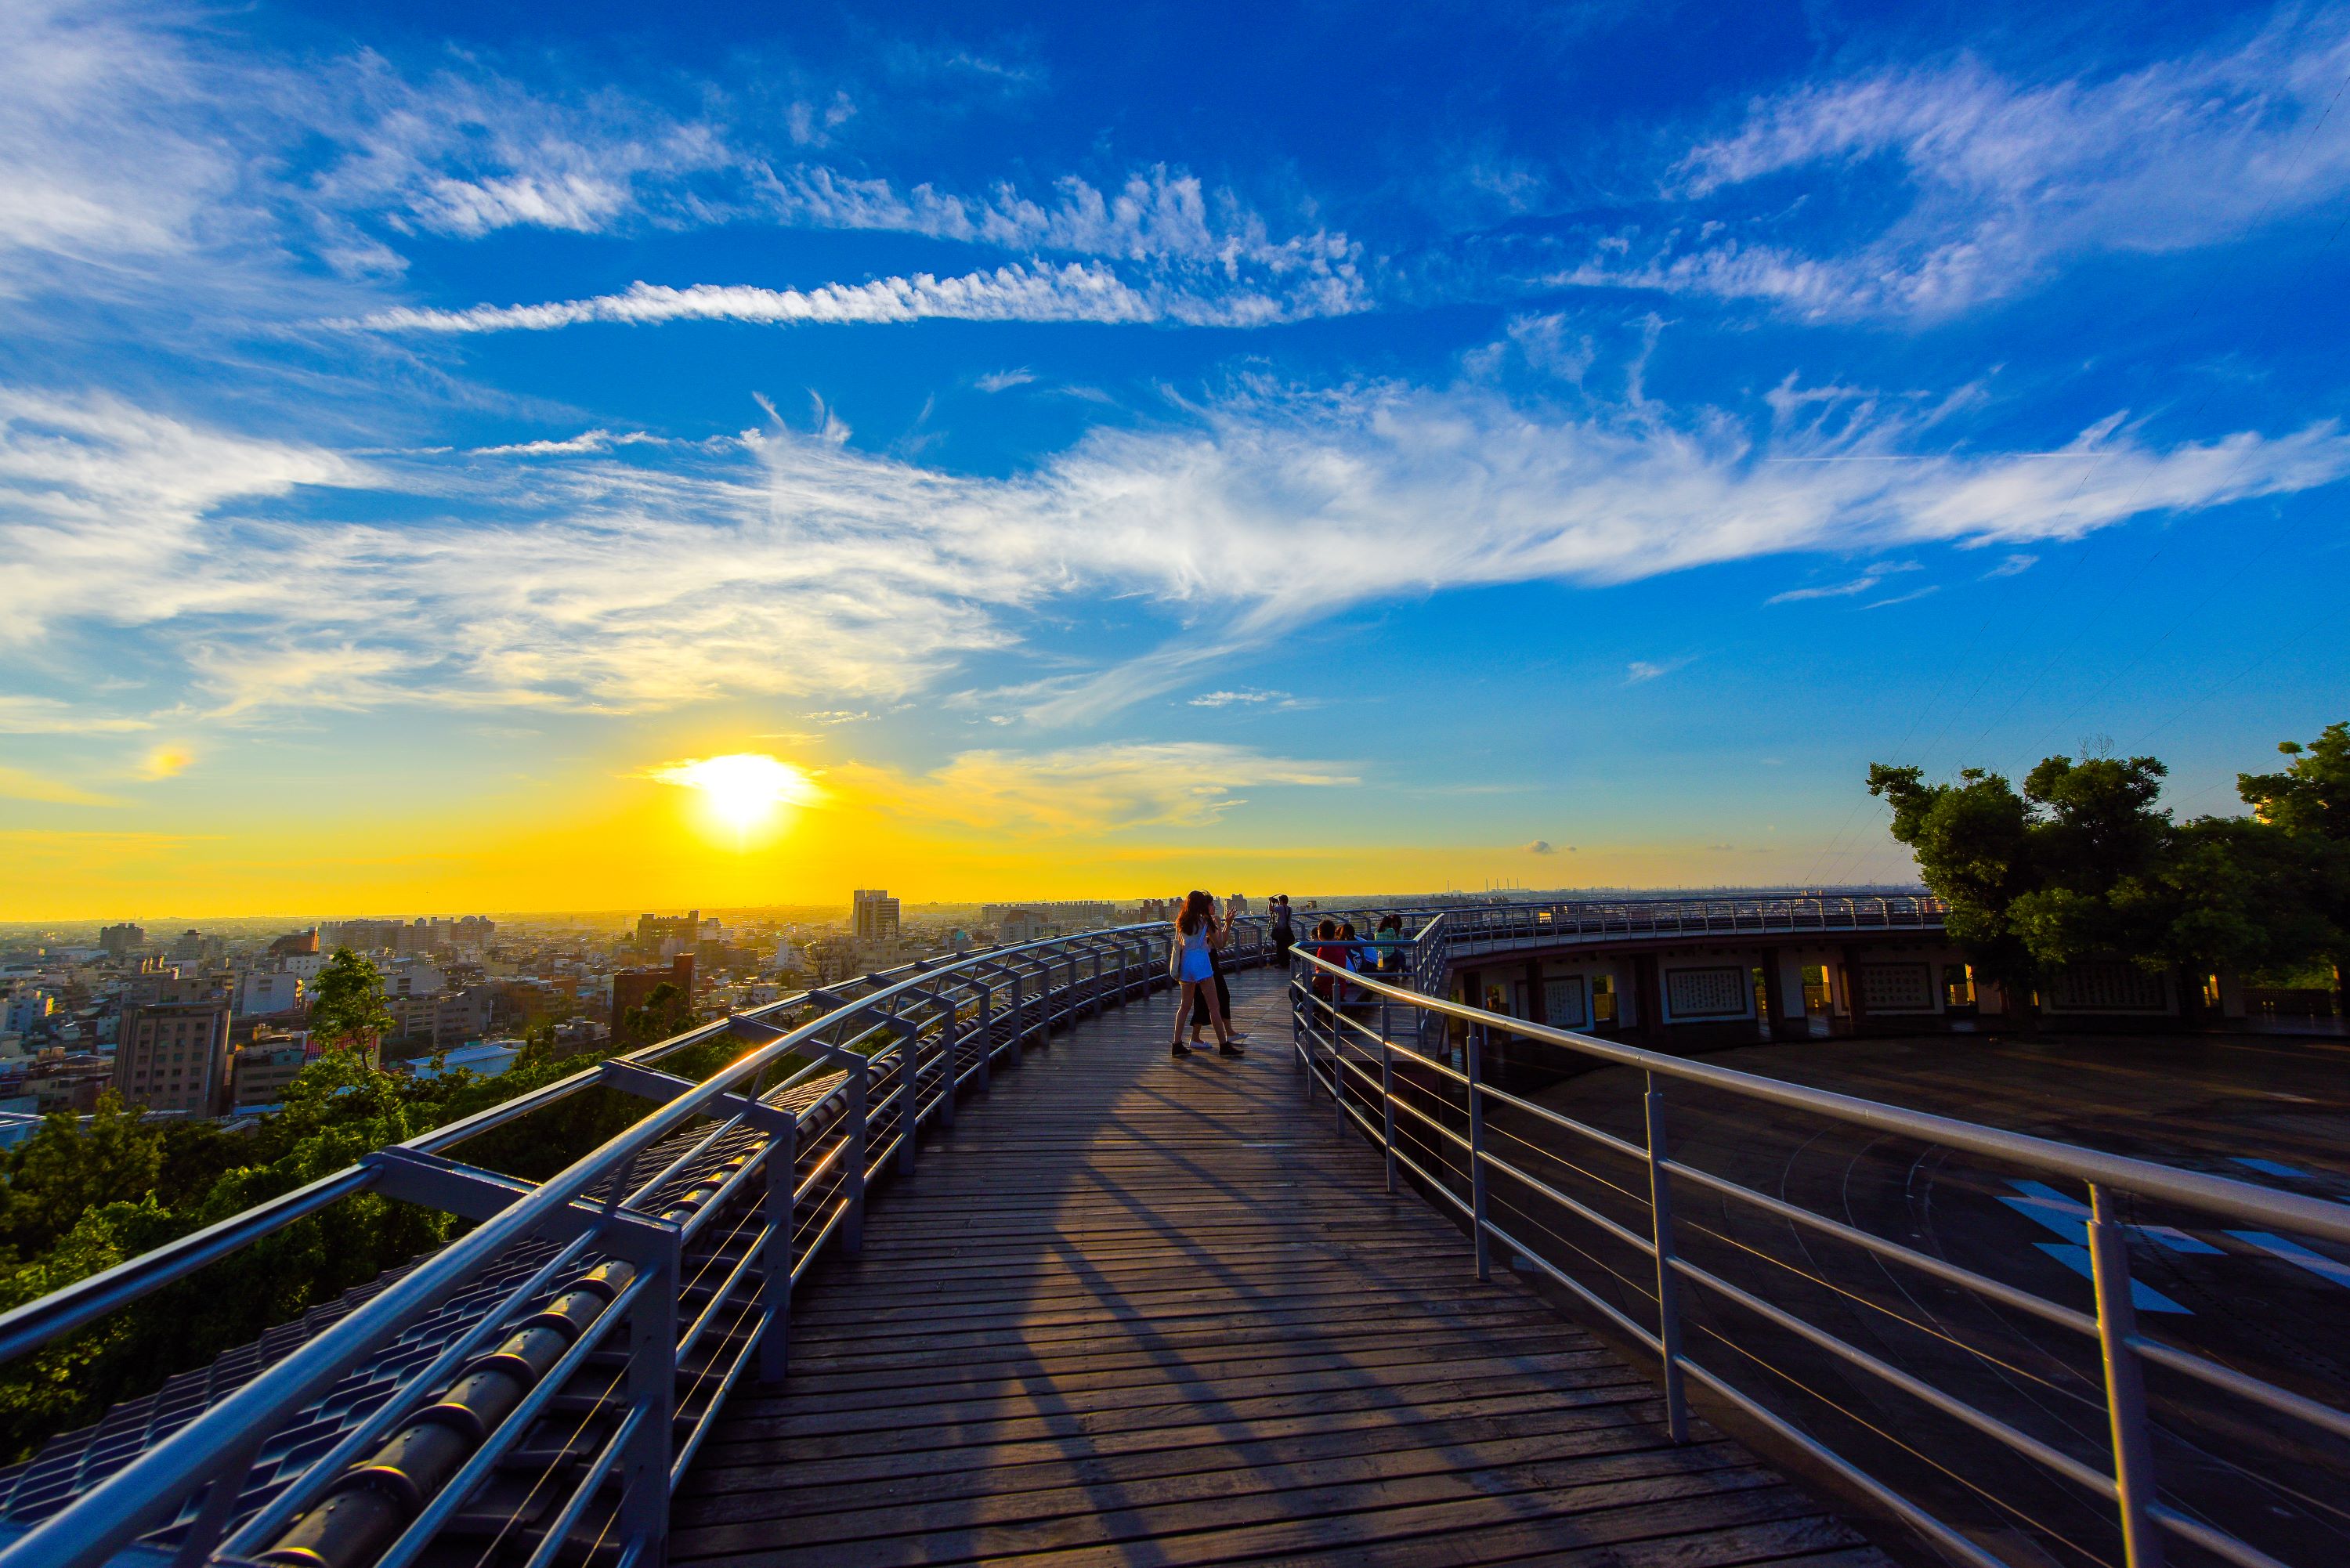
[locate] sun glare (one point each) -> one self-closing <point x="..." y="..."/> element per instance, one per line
<point x="742" y="790"/>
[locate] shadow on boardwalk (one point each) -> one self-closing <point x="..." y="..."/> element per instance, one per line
<point x="1138" y="1310"/>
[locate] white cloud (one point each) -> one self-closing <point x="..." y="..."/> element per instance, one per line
<point x="1247" y="697"/>
<point x="1544" y="847"/>
<point x="1004" y="380"/>
<point x="1099" y="788"/>
<point x="2004" y="178"/>
<point x="1640" y="671"/>
<point x="113" y="512"/>
<point x="585" y="441"/>
<point x="1075" y="292"/>
<point x="794" y="566"/>
<point x="50" y="716"/>
<point x="2015" y="566"/>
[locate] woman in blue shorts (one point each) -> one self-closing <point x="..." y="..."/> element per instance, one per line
<point x="1198" y="934"/>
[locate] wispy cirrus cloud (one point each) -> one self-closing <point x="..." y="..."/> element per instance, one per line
<point x="792" y="564"/>
<point x="1102" y="788"/>
<point x="1073" y="292"/>
<point x="1993" y="182"/>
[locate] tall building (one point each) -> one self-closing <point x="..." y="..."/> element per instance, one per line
<point x="872" y="915"/>
<point x="120" y="939"/>
<point x="174" y="1056"/>
<point x="630" y="987"/>
<point x="665" y="935"/>
<point x="296" y="943"/>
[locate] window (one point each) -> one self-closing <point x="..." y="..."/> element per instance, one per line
<point x="1816" y="999"/>
<point x="1563" y="1003"/>
<point x="1705" y="992"/>
<point x="1897" y="986"/>
<point x="1958" y="985"/>
<point x="1602" y="999"/>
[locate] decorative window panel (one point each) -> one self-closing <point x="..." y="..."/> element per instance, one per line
<point x="1897" y="986"/>
<point x="1707" y="992"/>
<point x="2106" y="985"/>
<point x="1562" y="1004"/>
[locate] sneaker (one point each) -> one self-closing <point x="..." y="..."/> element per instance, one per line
<point x="1181" y="1049"/>
<point x="1228" y="1049"/>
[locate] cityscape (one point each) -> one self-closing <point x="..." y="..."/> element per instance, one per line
<point x="1324" y="784"/>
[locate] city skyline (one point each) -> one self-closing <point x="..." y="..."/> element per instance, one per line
<point x="450" y="464"/>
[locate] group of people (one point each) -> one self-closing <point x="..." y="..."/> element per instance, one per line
<point x="1204" y="929"/>
<point x="1336" y="943"/>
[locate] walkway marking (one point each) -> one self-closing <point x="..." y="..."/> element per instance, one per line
<point x="2069" y="1218"/>
<point x="2145" y="1297"/>
<point x="2295" y="1253"/>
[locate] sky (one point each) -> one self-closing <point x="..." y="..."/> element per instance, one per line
<point x="1096" y="452"/>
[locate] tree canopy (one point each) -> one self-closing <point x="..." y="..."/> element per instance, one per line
<point x="2083" y="862"/>
<point x="347" y="1004"/>
<point x="79" y="1199"/>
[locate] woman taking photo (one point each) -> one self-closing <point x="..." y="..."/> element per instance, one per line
<point x="1198" y="935"/>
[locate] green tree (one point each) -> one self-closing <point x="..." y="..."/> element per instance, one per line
<point x="347" y="1004"/>
<point x="667" y="1011"/>
<point x="67" y="1168"/>
<point x="2307" y="806"/>
<point x="2073" y="865"/>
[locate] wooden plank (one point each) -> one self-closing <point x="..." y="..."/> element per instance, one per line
<point x="1132" y="1308"/>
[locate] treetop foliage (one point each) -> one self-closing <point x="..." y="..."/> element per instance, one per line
<point x="2085" y="862"/>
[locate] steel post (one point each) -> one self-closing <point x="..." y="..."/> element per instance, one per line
<point x="947" y="1035"/>
<point x="781" y="1218"/>
<point x="2125" y="1382"/>
<point x="852" y="1225"/>
<point x="650" y="1384"/>
<point x="986" y="1033"/>
<point x="1669" y="1312"/>
<point x="1477" y="1149"/>
<point x="1386" y="1102"/>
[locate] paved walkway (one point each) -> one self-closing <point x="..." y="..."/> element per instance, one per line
<point x="1137" y="1310"/>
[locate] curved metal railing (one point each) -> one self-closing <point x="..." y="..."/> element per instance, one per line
<point x="619" y="1300"/>
<point x="1437" y="1116"/>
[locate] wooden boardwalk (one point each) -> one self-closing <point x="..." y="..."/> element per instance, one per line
<point x="1137" y="1310"/>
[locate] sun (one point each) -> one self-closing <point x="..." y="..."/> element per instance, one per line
<point x="743" y="789"/>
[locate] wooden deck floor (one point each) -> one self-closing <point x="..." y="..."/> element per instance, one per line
<point x="1136" y="1309"/>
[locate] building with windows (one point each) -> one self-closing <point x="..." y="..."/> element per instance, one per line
<point x="666" y="936"/>
<point x="263" y="992"/>
<point x="872" y="915"/>
<point x="119" y="940"/>
<point x="631" y="987"/>
<point x="174" y="1056"/>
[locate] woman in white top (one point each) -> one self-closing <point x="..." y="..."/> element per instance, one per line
<point x="1197" y="933"/>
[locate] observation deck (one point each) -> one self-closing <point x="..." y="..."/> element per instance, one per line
<point x="953" y="1262"/>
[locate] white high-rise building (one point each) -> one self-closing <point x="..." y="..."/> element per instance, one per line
<point x="872" y="915"/>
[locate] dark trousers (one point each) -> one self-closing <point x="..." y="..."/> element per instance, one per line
<point x="1198" y="1017"/>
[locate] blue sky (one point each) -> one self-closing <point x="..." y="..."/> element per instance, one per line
<point x="1330" y="444"/>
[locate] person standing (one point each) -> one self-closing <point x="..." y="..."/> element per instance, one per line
<point x="1191" y="956"/>
<point x="1284" y="934"/>
<point x="1197" y="1015"/>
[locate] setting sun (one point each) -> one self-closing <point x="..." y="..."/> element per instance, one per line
<point x="743" y="789"/>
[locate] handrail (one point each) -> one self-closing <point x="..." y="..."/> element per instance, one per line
<point x="2220" y="1194"/>
<point x="932" y="1010"/>
<point x="1362" y="1065"/>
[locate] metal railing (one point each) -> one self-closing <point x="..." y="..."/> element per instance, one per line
<point x="1480" y="928"/>
<point x="587" y="1329"/>
<point x="1499" y="1161"/>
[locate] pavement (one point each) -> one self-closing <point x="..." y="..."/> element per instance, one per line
<point x="2270" y="1111"/>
